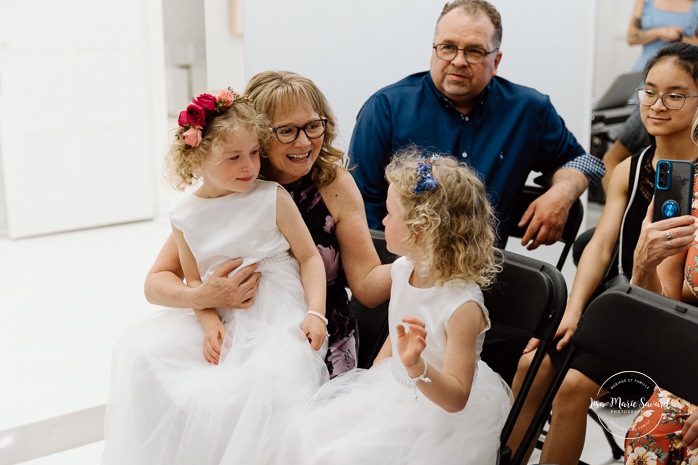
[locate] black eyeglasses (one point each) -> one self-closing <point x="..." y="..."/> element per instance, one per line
<point x="671" y="100"/>
<point x="473" y="55"/>
<point x="289" y="134"/>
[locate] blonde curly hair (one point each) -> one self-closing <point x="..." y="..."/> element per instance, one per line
<point x="282" y="92"/>
<point x="453" y="226"/>
<point x="183" y="163"/>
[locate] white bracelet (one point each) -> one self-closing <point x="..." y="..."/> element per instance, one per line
<point x="411" y="383"/>
<point x="423" y="376"/>
<point x="319" y="315"/>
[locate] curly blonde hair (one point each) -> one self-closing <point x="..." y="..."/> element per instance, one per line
<point x="183" y="163"/>
<point x="282" y="92"/>
<point x="453" y="226"/>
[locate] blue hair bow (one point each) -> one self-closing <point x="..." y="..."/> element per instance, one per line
<point x="425" y="180"/>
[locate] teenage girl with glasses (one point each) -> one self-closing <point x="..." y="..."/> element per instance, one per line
<point x="668" y="108"/>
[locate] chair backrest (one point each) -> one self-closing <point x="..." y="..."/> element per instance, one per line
<point x="638" y="330"/>
<point x="569" y="234"/>
<point x="372" y="322"/>
<point x="529" y="295"/>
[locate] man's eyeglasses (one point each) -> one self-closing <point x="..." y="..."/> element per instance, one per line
<point x="672" y="100"/>
<point x="289" y="134"/>
<point x="473" y="55"/>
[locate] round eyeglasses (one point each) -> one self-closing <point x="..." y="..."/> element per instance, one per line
<point x="288" y="134"/>
<point x="671" y="100"/>
<point x="473" y="55"/>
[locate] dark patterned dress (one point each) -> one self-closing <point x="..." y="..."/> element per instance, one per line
<point x="341" y="356"/>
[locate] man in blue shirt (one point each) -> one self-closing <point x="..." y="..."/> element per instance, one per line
<point x="461" y="107"/>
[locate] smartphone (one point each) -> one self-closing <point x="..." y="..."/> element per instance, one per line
<point x="673" y="189"/>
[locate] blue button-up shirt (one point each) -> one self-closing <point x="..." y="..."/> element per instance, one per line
<point x="512" y="131"/>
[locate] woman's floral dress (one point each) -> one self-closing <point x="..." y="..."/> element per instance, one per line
<point x="654" y="437"/>
<point x="341" y="356"/>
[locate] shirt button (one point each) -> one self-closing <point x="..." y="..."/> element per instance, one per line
<point x="467" y="118"/>
<point x="464" y="155"/>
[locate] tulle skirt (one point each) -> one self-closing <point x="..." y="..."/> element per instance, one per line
<point x="365" y="417"/>
<point x="168" y="406"/>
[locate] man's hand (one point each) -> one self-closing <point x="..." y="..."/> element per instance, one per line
<point x="546" y="218"/>
<point x="547" y="215"/>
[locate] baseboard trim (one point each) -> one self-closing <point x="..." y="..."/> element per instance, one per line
<point x="53" y="435"/>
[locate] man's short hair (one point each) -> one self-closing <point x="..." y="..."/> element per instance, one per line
<point x="475" y="8"/>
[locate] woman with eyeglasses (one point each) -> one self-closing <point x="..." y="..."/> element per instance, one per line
<point x="668" y="104"/>
<point x="654" y="24"/>
<point x="300" y="156"/>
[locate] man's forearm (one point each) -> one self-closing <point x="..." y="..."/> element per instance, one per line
<point x="569" y="183"/>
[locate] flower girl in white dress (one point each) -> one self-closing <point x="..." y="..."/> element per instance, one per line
<point x="168" y="403"/>
<point x="428" y="397"/>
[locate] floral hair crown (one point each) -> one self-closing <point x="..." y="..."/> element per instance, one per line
<point x="425" y="180"/>
<point x="201" y="111"/>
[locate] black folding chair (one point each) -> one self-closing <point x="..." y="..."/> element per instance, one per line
<point x="569" y="234"/>
<point x="529" y="296"/>
<point x="372" y="322"/>
<point x="621" y="326"/>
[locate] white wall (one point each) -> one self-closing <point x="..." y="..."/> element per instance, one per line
<point x="3" y="208"/>
<point x="224" y="49"/>
<point x="185" y="51"/>
<point x="4" y="30"/>
<point x="613" y="55"/>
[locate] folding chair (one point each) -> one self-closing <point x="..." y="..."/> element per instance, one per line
<point x="620" y="327"/>
<point x="530" y="296"/>
<point x="569" y="234"/>
<point x="623" y="325"/>
<point x="372" y="322"/>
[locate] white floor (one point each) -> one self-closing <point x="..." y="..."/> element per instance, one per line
<point x="64" y="301"/>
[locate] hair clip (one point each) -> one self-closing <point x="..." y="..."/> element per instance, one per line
<point x="425" y="180"/>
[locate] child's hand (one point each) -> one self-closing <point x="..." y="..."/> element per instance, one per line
<point x="411" y="343"/>
<point x="315" y="330"/>
<point x="214" y="333"/>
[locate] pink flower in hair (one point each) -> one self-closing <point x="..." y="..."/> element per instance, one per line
<point x="225" y="98"/>
<point x="192" y="136"/>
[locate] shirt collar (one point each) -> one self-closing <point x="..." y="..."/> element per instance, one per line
<point x="477" y="109"/>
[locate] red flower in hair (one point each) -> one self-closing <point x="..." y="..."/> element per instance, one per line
<point x="196" y="114"/>
<point x="183" y="119"/>
<point x="205" y="101"/>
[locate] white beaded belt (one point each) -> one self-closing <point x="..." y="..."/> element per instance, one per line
<point x="277" y="257"/>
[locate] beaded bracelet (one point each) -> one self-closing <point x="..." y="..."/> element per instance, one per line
<point x="319" y="315"/>
<point x="411" y="383"/>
